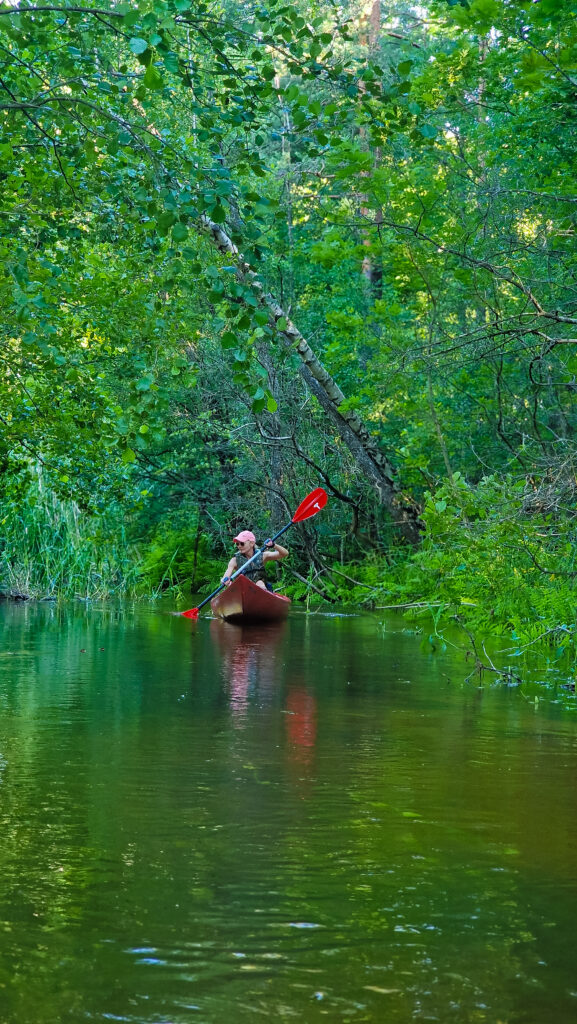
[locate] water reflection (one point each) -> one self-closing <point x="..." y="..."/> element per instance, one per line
<point x="301" y="724"/>
<point x="254" y="671"/>
<point x="300" y="822"/>
<point x="250" y="657"/>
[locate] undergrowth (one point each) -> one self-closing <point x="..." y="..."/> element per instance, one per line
<point x="49" y="549"/>
<point x="490" y="558"/>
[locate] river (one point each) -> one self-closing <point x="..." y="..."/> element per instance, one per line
<point x="319" y="822"/>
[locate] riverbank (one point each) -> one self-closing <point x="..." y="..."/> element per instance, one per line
<point x="489" y="564"/>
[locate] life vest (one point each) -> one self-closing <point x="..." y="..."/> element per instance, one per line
<point x="256" y="570"/>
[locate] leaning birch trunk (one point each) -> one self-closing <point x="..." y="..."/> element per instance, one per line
<point x="351" y="428"/>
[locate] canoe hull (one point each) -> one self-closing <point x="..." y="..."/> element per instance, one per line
<point x="243" y="601"/>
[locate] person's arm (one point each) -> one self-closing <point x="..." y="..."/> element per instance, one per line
<point x="274" y="552"/>
<point x="231" y="567"/>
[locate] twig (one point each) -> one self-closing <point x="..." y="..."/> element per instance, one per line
<point x="480" y="666"/>
<point x="410" y="604"/>
<point x="548" y="632"/>
<point x="308" y="583"/>
<point x="351" y="580"/>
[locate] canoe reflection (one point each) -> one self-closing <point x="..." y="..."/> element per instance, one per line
<point x="249" y="660"/>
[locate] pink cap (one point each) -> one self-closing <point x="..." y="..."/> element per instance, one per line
<point x="245" y="535"/>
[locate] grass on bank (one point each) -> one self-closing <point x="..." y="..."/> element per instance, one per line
<point x="49" y="549"/>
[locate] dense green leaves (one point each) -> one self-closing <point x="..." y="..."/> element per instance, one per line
<point x="405" y="190"/>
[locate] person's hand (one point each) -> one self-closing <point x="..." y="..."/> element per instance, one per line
<point x="225" y="580"/>
<point x="269" y="543"/>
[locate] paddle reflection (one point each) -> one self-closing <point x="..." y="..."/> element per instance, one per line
<point x="301" y="724"/>
<point x="249" y="660"/>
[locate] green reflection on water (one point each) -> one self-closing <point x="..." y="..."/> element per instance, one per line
<point x="312" y="822"/>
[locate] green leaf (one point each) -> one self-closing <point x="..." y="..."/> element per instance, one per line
<point x="180" y="232"/>
<point x="128" y="456"/>
<point x="487" y="12"/>
<point x="165" y="220"/>
<point x="218" y="214"/>
<point x="138" y="45"/>
<point x="152" y="78"/>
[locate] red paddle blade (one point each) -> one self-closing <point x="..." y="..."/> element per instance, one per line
<point x="192" y="613"/>
<point x="310" y="505"/>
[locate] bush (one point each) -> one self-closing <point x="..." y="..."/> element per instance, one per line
<point x="176" y="556"/>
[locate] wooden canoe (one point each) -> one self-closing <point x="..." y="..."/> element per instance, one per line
<point x="243" y="601"/>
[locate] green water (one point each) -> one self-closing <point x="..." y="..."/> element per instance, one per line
<point x="313" y="823"/>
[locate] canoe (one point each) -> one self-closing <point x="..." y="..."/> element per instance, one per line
<point x="243" y="601"/>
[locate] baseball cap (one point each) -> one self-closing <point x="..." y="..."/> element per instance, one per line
<point x="245" y="535"/>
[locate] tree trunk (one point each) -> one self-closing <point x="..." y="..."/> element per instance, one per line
<point x="372" y="463"/>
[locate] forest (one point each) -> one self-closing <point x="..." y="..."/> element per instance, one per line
<point x="249" y="249"/>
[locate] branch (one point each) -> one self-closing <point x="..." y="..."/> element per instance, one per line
<point x="308" y="583"/>
<point x="405" y="39"/>
<point x="272" y="439"/>
<point x="60" y="10"/>
<point x="508" y="676"/>
<point x="545" y="56"/>
<point x="365" y="586"/>
<point x="351" y="428"/>
<point x="542" y="569"/>
<point x="80" y="102"/>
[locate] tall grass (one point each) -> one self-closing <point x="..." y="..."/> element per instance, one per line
<point x="49" y="548"/>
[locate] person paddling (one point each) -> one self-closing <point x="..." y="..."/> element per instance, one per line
<point x="245" y="548"/>
<point x="309" y="506"/>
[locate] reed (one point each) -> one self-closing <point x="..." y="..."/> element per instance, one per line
<point x="49" y="548"/>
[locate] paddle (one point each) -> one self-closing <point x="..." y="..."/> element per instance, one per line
<point x="308" y="507"/>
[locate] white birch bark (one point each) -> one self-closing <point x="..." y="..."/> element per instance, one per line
<point x="370" y="460"/>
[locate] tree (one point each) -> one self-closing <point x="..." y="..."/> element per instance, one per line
<point x="99" y="95"/>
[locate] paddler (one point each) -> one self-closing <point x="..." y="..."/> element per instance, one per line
<point x="245" y="548"/>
